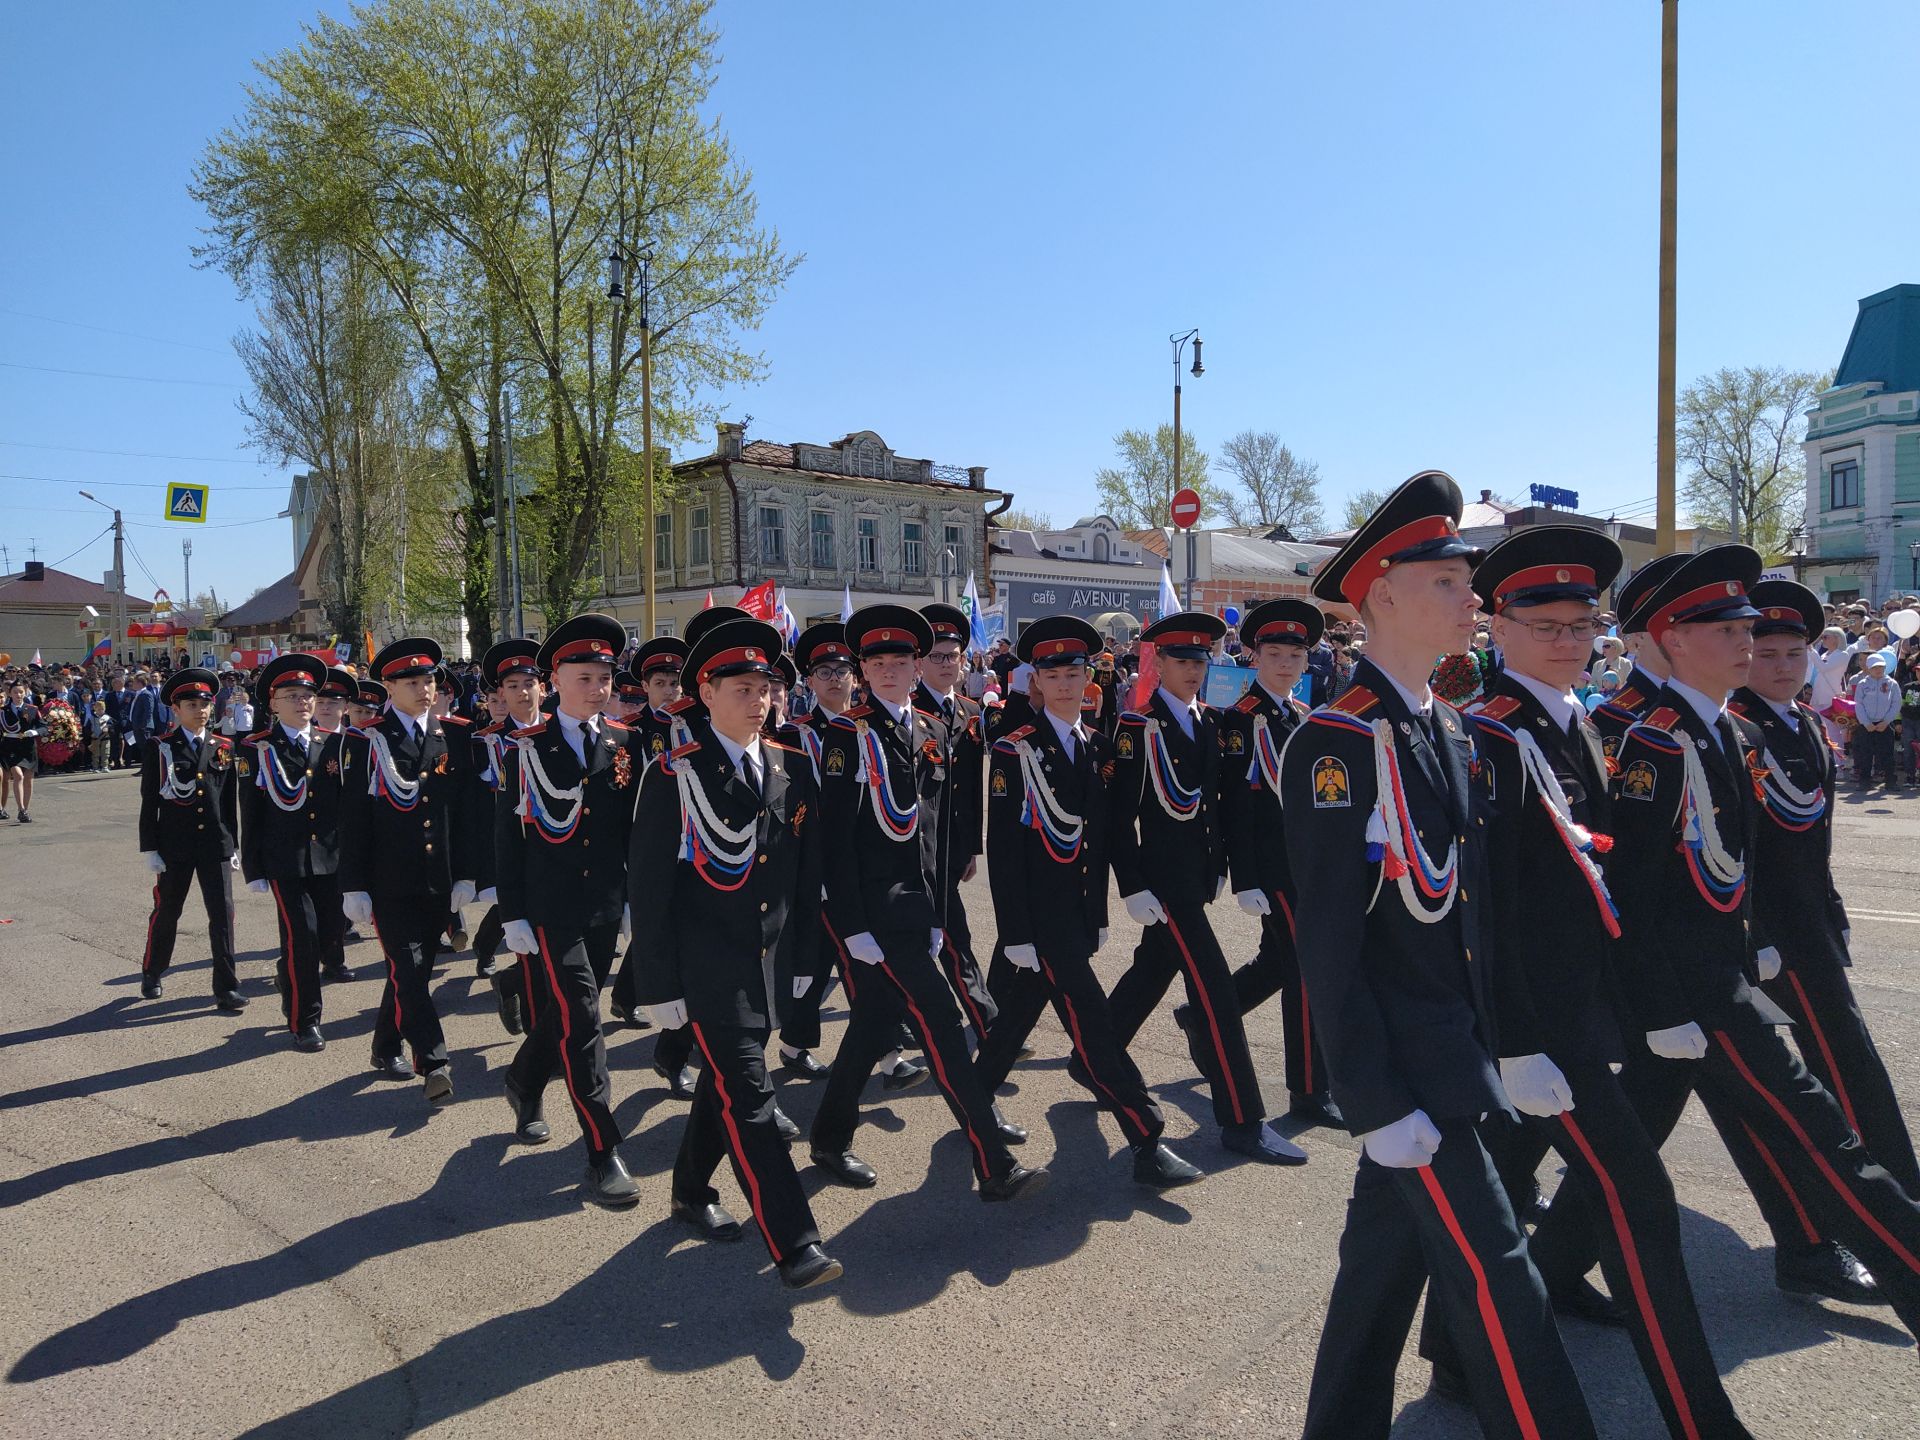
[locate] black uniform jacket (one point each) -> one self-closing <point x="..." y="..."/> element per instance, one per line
<point x="1614" y="716"/>
<point x="580" y="880"/>
<point x="955" y="727"/>
<point x="1683" y="957"/>
<point x="1403" y="1008"/>
<point x="1180" y="861"/>
<point x="277" y="844"/>
<point x="1794" y="901"/>
<point x="1249" y="805"/>
<point x="876" y="883"/>
<point x="1546" y="931"/>
<point x="1046" y="893"/>
<point x="389" y="851"/>
<point x="729" y="953"/>
<point x="199" y="825"/>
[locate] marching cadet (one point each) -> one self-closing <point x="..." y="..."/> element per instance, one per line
<point x="284" y="847"/>
<point x="568" y="783"/>
<point x="1169" y="859"/>
<point x="1685" y="830"/>
<point x="189" y="823"/>
<point x="368" y="704"/>
<point x="954" y="730"/>
<point x="1620" y="710"/>
<point x="1046" y="857"/>
<point x="1794" y="897"/>
<point x="1389" y="866"/>
<point x="881" y="829"/>
<point x="725" y="870"/>
<point x="1550" y="938"/>
<point x="406" y="853"/>
<point x="656" y="667"/>
<point x="512" y="689"/>
<point x="1253" y="732"/>
<point x="329" y="723"/>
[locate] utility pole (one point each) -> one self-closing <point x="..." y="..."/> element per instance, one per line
<point x="186" y="567"/>
<point x="1669" y="165"/>
<point x="118" y="578"/>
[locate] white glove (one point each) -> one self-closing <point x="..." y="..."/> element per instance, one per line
<point x="518" y="937"/>
<point x="1680" y="1042"/>
<point x="233" y="861"/>
<point x="670" y="1016"/>
<point x="357" y="906"/>
<point x="488" y="896"/>
<point x="462" y="895"/>
<point x="933" y="945"/>
<point x="154" y="862"/>
<point x="864" y="948"/>
<point x="1101" y="943"/>
<point x="1254" y="902"/>
<point x="1769" y="958"/>
<point x="1407" y="1144"/>
<point x="1145" y="908"/>
<point x="1535" y="1085"/>
<point x="1024" y="956"/>
<point x="801" y="984"/>
<point x="258" y="887"/>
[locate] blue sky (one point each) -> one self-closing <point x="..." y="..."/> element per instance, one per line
<point x="1412" y="235"/>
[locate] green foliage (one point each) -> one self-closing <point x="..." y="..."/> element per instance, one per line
<point x="1361" y="505"/>
<point x="1138" y="492"/>
<point x="1272" y="486"/>
<point x="1738" y="436"/>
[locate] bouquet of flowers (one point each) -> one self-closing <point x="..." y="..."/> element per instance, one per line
<point x="62" y="740"/>
<point x="1460" y="679"/>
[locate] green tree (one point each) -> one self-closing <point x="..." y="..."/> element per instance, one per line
<point x="1738" y="435"/>
<point x="1024" y="520"/>
<point x="1361" y="505"/>
<point x="1272" y="486"/>
<point x="1138" y="492"/>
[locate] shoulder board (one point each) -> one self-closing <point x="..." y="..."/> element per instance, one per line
<point x="845" y="720"/>
<point x="1132" y="717"/>
<point x="1247" y="703"/>
<point x="1013" y="737"/>
<point x="779" y="745"/>
<point x="685" y="702"/>
<point x="257" y="735"/>
<point x="459" y="720"/>
<point x="686" y="749"/>
<point x="1661" y="719"/>
<point x="1357" y="701"/>
<point x="1627" y="700"/>
<point x="493" y="729"/>
<point x="1738" y="707"/>
<point x="613" y="724"/>
<point x="858" y="712"/>
<point x="1487" y="723"/>
<point x="1498" y="708"/>
<point x="223" y="742"/>
<point x="538" y="728"/>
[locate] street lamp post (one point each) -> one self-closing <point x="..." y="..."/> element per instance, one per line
<point x="1179" y="343"/>
<point x="616" y="290"/>
<point x="1913" y="581"/>
<point x="119" y="573"/>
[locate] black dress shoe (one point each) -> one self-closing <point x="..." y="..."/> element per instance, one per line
<point x="1183" y="1017"/>
<point x="619" y="1012"/>
<point x="310" y="1039"/>
<point x="150" y="989"/>
<point x="484" y="966"/>
<point x="1015" y="1183"/>
<point x="803" y="1064"/>
<point x="1583" y="1301"/>
<point x="1259" y="1141"/>
<point x="680" y="1082"/>
<point x="1316" y="1110"/>
<point x="510" y="1009"/>
<point x="393" y="1067"/>
<point x="846" y="1168"/>
<point x="334" y="974"/>
<point x="904" y="1075"/>
<point x="608" y="1183"/>
<point x="1829" y="1272"/>
<point x="789" y="1131"/>
<point x="809" y="1265"/>
<point x="1450" y="1385"/>
<point x="711" y="1221"/>
<point x="529" y="1126"/>
<point x="1154" y="1164"/>
<point x="1011" y="1133"/>
<point x="233" y="1002"/>
<point x="439" y="1086"/>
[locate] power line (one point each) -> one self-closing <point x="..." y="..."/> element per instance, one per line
<point x="111" y="375"/>
<point x="56" y="564"/>
<point x="141" y="454"/>
<point x="105" y="330"/>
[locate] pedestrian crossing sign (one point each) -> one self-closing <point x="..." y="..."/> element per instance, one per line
<point x="187" y="502"/>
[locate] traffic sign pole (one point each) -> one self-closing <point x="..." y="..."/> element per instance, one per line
<point x="1184" y="511"/>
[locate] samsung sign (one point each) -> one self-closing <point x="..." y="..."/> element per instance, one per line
<point x="1029" y="600"/>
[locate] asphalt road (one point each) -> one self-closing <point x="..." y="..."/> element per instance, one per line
<point x="209" y="1234"/>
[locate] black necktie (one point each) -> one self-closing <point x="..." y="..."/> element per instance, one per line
<point x="1729" y="741"/>
<point x="300" y="744"/>
<point x="750" y="773"/>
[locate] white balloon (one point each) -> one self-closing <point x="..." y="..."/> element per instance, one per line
<point x="1904" y="623"/>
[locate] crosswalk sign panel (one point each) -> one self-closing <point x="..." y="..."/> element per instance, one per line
<point x="188" y="503"/>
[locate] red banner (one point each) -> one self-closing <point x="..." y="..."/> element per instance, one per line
<point x="156" y="630"/>
<point x="761" y="601"/>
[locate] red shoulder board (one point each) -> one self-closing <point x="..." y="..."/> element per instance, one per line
<point x="613" y="724"/>
<point x="1012" y="736"/>
<point x="685" y="702"/>
<point x="1661" y="719"/>
<point x="686" y="749"/>
<point x="1357" y="701"/>
<point x="539" y="729"/>
<point x="857" y="712"/>
<point x="1247" y="703"/>
<point x="1738" y="707"/>
<point x="1628" y="701"/>
<point x="223" y="742"/>
<point x="776" y="745"/>
<point x="455" y="720"/>
<point x="257" y="735"/>
<point x="1498" y="708"/>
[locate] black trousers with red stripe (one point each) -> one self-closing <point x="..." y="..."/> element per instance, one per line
<point x="962" y="967"/>
<point x="1275" y="970"/>
<point x="568" y="971"/>
<point x="908" y="986"/>
<point x="297" y="906"/>
<point x="1450" y="1221"/>
<point x="1834" y="1041"/>
<point x="1185" y="946"/>
<point x="732" y="1115"/>
<point x="1602" y="1140"/>
<point x="1069" y="983"/>
<point x="332" y="919"/>
<point x="409" y="930"/>
<point x="170" y="887"/>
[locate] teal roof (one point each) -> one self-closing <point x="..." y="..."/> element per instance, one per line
<point x="1885" y="344"/>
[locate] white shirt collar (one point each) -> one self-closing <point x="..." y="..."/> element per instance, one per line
<point x="412" y="724"/>
<point x="735" y="750"/>
<point x="199" y="737"/>
<point x="570" y="725"/>
<point x="1174" y="703"/>
<point x="898" y="712"/>
<point x="1278" y="698"/>
<point x="305" y="737"/>
<point x="1560" y="703"/>
<point x="1067" y="730"/>
<point x="1418" y="705"/>
<point x="1786" y="712"/>
<point x="1708" y="709"/>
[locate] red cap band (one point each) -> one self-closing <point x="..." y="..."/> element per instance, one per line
<point x="592" y="648"/>
<point x="1046" y="649"/>
<point x="1184" y="637"/>
<point x="828" y="650"/>
<point x="1281" y="630"/>
<point x="1707" y="597"/>
<point x="887" y="636"/>
<point x="187" y="692"/>
<point x="944" y="630"/>
<point x="1539" y="577"/>
<point x="660" y="662"/>
<point x="739" y="655"/>
<point x="405" y="662"/>
<point x="1361" y="574"/>
<point x="292" y="677"/>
